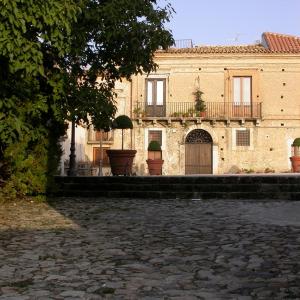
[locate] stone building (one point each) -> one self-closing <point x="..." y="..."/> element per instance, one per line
<point x="251" y="116"/>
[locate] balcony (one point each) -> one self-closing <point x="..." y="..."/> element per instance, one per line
<point x="94" y="137"/>
<point x="214" y="111"/>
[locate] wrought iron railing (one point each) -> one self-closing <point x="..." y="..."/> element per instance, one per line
<point x="214" y="110"/>
<point x="183" y="43"/>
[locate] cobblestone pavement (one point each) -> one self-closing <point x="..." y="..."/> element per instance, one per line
<point x="138" y="249"/>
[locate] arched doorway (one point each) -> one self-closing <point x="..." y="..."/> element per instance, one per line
<point x="198" y="152"/>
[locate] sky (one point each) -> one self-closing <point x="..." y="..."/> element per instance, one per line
<point x="232" y="22"/>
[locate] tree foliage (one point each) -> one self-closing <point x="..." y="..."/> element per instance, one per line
<point x="32" y="34"/>
<point x="111" y="40"/>
<point x="59" y="60"/>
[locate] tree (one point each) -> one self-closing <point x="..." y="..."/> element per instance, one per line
<point x="52" y="54"/>
<point x="111" y="40"/>
<point x="32" y="35"/>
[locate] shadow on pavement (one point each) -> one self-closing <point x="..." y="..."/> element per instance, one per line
<point x="133" y="249"/>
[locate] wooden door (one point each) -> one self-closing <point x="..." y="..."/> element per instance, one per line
<point x="198" y="159"/>
<point x="198" y="152"/>
<point x="96" y="157"/>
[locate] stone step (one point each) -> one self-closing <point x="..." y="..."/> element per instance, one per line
<point x="180" y="195"/>
<point x="201" y="179"/>
<point x="285" y="187"/>
<point x="148" y="187"/>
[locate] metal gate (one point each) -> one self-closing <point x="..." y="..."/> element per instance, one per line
<point x="198" y="152"/>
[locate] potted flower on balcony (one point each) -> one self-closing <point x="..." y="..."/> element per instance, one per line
<point x="138" y="112"/>
<point x="295" y="159"/>
<point x="121" y="160"/>
<point x="200" y="106"/>
<point x="154" y="160"/>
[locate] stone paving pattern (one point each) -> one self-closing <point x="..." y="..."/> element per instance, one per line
<point x="149" y="249"/>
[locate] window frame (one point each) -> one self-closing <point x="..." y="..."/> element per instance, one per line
<point x="242" y="100"/>
<point x="234" y="139"/>
<point x="154" y="91"/>
<point x="229" y="77"/>
<point x="240" y="140"/>
<point x="160" y="138"/>
<point x="163" y="137"/>
<point x="106" y="136"/>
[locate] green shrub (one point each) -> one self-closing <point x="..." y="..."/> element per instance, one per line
<point x="296" y="142"/>
<point x="200" y="104"/>
<point x="122" y="122"/>
<point x="31" y="162"/>
<point x="154" y="146"/>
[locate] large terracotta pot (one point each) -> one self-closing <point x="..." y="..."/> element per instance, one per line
<point x="295" y="163"/>
<point x="121" y="161"/>
<point x="155" y="166"/>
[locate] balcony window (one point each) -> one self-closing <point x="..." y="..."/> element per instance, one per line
<point x="242" y="90"/>
<point x="156" y="97"/>
<point x="94" y="136"/>
<point x="160" y="92"/>
<point x="150" y="92"/>
<point x="242" y="86"/>
<point x="106" y="136"/>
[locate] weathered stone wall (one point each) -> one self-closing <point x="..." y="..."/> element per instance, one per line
<point x="276" y="85"/>
<point x="277" y="88"/>
<point x="270" y="151"/>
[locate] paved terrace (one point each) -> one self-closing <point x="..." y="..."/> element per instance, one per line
<point x="134" y="249"/>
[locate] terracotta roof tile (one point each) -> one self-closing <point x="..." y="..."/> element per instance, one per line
<point x="220" y="49"/>
<point x="271" y="43"/>
<point x="282" y="42"/>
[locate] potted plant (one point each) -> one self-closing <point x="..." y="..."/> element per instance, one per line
<point x="200" y="106"/>
<point x="295" y="159"/>
<point x="138" y="112"/>
<point x="121" y="160"/>
<point x="191" y="112"/>
<point x="154" y="160"/>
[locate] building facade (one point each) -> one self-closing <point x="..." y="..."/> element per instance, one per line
<point x="251" y="116"/>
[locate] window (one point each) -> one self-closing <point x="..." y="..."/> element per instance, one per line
<point x="242" y="93"/>
<point x="243" y="137"/>
<point x="96" y="156"/>
<point x="149" y="92"/>
<point x="106" y="136"/>
<point x="94" y="136"/>
<point x="155" y="97"/>
<point x="155" y="135"/>
<point x="155" y="91"/>
<point x="242" y="87"/>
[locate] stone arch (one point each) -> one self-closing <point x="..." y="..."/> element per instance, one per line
<point x="198" y="136"/>
<point x="210" y="130"/>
